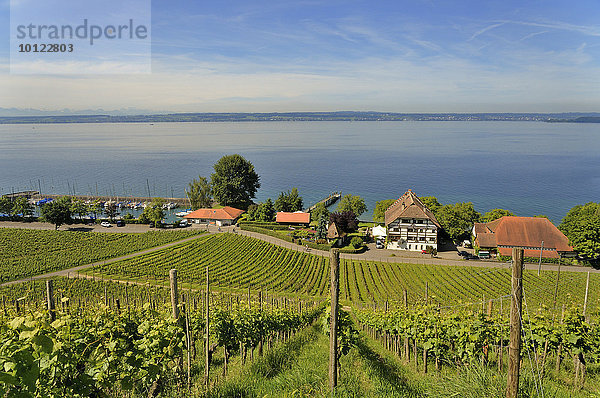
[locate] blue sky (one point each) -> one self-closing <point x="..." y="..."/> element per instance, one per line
<point x="402" y="56"/>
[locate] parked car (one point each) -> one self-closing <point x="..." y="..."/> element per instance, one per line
<point x="183" y="223"/>
<point x="379" y="244"/>
<point x="463" y="253"/>
<point x="106" y="224"/>
<point x="484" y="254"/>
<point x="120" y="223"/>
<point x="471" y="257"/>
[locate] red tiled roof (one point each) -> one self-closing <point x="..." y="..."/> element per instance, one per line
<point x="510" y="231"/>
<point x="225" y="213"/>
<point x="409" y="206"/>
<point x="293" y="218"/>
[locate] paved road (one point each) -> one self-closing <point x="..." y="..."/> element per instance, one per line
<point x="384" y="255"/>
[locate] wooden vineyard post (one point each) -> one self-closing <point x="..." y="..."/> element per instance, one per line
<point x="587" y="288"/>
<point x="501" y="339"/>
<point x="207" y="332"/>
<point x="174" y="295"/>
<point x="334" y="259"/>
<point x="50" y="300"/>
<point x="512" y="384"/>
<point x="406" y="345"/>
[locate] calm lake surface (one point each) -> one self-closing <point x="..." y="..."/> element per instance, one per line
<point x="527" y="167"/>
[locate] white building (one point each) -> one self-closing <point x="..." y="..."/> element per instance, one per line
<point x="410" y="224"/>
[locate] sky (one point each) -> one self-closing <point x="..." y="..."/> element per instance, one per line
<point x="393" y="56"/>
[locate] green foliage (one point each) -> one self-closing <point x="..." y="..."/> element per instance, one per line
<point x="319" y="211"/>
<point x="21" y="208"/>
<point x="289" y="201"/>
<point x="348" y="336"/>
<point x="356" y="242"/>
<point x="153" y="213"/>
<point x="263" y="212"/>
<point x="234" y="182"/>
<point x="58" y="211"/>
<point x="495" y="214"/>
<point x="79" y="207"/>
<point x="457" y="220"/>
<point x="27" y="252"/>
<point x="582" y="226"/>
<point x="380" y="208"/>
<point x="322" y="227"/>
<point x="200" y="193"/>
<point x="111" y="210"/>
<point x="5" y="205"/>
<point x="353" y="203"/>
<point x="431" y="203"/>
<point x="87" y="355"/>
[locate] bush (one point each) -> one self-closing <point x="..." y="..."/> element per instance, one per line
<point x="356" y="242"/>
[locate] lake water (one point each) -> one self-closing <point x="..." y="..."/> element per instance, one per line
<point x="527" y="167"/>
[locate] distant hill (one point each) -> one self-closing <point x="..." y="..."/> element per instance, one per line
<point x="302" y="116"/>
<point x="582" y="119"/>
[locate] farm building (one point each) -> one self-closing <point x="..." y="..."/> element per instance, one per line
<point x="224" y="216"/>
<point x="410" y="224"/>
<point x="533" y="234"/>
<point x="296" y="218"/>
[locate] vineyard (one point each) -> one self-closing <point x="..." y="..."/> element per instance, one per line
<point x="459" y="337"/>
<point x="241" y="263"/>
<point x="126" y="342"/>
<point x="27" y="252"/>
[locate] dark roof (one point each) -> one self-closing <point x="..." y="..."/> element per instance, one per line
<point x="409" y="206"/>
<point x="334" y="232"/>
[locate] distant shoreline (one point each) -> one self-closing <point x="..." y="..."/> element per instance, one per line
<point x="348" y="116"/>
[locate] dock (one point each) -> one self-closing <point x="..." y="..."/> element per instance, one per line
<point x="328" y="201"/>
<point x="180" y="202"/>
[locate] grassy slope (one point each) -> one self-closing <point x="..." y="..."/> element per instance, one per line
<point x="299" y="369"/>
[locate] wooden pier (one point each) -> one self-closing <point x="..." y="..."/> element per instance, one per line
<point x="328" y="201"/>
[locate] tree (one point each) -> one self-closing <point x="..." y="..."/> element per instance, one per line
<point x="57" y="212"/>
<point x="380" y="208"/>
<point x="431" y="203"/>
<point x="5" y="205"/>
<point x="346" y="221"/>
<point x="495" y="214"/>
<point x="320" y="210"/>
<point x="289" y="201"/>
<point x="265" y="212"/>
<point x="353" y="203"/>
<point x="457" y="220"/>
<point x="582" y="226"/>
<point x="322" y="227"/>
<point x="200" y="193"/>
<point x="79" y="207"/>
<point x="95" y="207"/>
<point x="21" y="207"/>
<point x="111" y="210"/>
<point x="234" y="182"/>
<point x="154" y="212"/>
